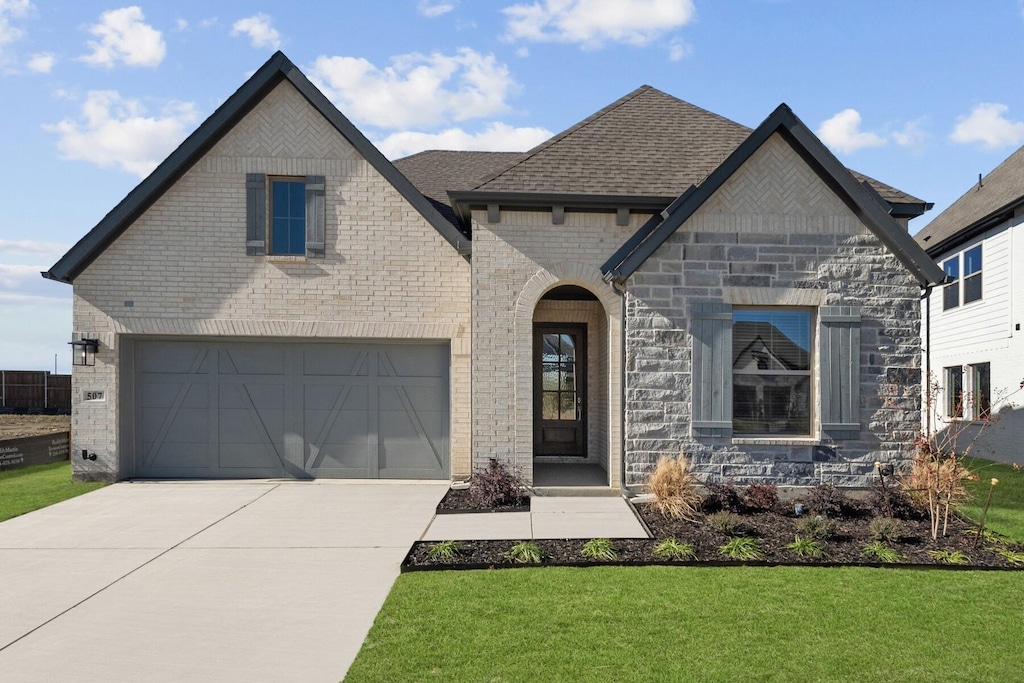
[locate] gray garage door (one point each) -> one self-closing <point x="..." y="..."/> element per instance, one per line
<point x="238" y="409"/>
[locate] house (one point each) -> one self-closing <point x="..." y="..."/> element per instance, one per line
<point x="974" y="348"/>
<point x="278" y="299"/>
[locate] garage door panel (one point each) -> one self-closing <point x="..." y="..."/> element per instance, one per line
<point x="360" y="409"/>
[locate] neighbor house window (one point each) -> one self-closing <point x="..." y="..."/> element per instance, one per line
<point x="951" y="292"/>
<point x="972" y="274"/>
<point x="287" y="216"/>
<point x="981" y="391"/>
<point x="955" y="391"/>
<point x="771" y="371"/>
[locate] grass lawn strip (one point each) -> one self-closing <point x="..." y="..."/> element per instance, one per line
<point x="32" y="488"/>
<point x="697" y="624"/>
<point x="1006" y="514"/>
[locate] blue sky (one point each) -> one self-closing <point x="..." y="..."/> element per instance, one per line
<point x="923" y="95"/>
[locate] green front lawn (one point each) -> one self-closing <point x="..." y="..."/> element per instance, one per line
<point x="1006" y="514"/>
<point x="31" y="488"/>
<point x="697" y="624"/>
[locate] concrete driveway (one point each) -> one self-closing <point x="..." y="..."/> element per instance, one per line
<point x="229" y="581"/>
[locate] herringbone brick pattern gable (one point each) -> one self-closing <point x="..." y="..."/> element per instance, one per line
<point x="776" y="181"/>
<point x="284" y="125"/>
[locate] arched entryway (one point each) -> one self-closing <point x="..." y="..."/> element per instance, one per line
<point x="567" y="370"/>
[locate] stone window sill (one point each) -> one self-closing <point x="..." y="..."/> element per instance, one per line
<point x="280" y="258"/>
<point x="776" y="441"/>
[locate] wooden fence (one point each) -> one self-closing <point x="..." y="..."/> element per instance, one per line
<point x="34" y="390"/>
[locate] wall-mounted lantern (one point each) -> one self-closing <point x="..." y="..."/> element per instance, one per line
<point x="83" y="351"/>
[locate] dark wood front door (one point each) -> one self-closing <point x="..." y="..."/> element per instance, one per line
<point x="559" y="389"/>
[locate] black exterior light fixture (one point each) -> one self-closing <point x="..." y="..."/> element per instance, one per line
<point x="83" y="351"/>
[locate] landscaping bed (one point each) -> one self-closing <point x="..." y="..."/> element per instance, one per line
<point x="460" y="501"/>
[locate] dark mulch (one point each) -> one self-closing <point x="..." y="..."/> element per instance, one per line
<point x="460" y="501"/>
<point x="773" y="530"/>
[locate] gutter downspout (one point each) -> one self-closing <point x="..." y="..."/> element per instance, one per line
<point x="926" y="296"/>
<point x="626" y="491"/>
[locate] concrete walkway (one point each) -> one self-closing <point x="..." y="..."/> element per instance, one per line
<point x="554" y="517"/>
<point x="208" y="581"/>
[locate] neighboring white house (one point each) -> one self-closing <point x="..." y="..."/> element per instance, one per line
<point x="971" y="327"/>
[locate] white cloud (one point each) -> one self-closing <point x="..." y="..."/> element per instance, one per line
<point x="910" y="135"/>
<point x="523" y="52"/>
<point x="42" y="63"/>
<point x="434" y="9"/>
<point x="32" y="247"/>
<point x="496" y="137"/>
<point x="416" y="90"/>
<point x="987" y="124"/>
<point x="261" y="33"/>
<point x="12" y="9"/>
<point x="207" y="23"/>
<point x="679" y="49"/>
<point x="842" y="133"/>
<point x="123" y="36"/>
<point x="592" y="23"/>
<point x="181" y="24"/>
<point x="114" y="131"/>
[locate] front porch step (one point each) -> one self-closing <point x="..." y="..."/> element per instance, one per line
<point x="591" y="491"/>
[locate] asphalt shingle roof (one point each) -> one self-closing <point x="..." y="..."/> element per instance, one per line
<point x="998" y="191"/>
<point x="647" y="143"/>
<point x="436" y="171"/>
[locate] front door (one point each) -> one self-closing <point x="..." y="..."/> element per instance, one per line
<point x="559" y="389"/>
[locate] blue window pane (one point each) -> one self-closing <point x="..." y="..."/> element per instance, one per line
<point x="952" y="268"/>
<point x="972" y="260"/>
<point x="288" y="213"/>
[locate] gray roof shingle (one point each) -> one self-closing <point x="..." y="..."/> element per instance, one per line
<point x="998" y="192"/>
<point x="436" y="171"/>
<point x="647" y="143"/>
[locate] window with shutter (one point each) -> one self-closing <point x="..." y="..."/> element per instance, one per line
<point x="711" y="377"/>
<point x="292" y="222"/>
<point x="840" y="371"/>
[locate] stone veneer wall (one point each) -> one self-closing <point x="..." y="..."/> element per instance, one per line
<point x="772" y="229"/>
<point x="181" y="270"/>
<point x="515" y="261"/>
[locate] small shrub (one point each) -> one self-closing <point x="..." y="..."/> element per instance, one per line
<point x="828" y="501"/>
<point x="600" y="549"/>
<point x="497" y="485"/>
<point x="886" y="529"/>
<point x="806" y="547"/>
<point x="902" y="505"/>
<point x="443" y="550"/>
<point x="672" y="549"/>
<point x="674" y="488"/>
<point x="1014" y="557"/>
<point x="742" y="548"/>
<point x="817" y="527"/>
<point x="949" y="556"/>
<point x="721" y="497"/>
<point x="525" y="552"/>
<point x="761" y="496"/>
<point x="881" y="552"/>
<point x="936" y="482"/>
<point x="728" y="523"/>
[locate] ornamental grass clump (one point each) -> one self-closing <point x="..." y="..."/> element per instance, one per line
<point x="886" y="529"/>
<point x="525" y="552"/>
<point x="674" y="488"/>
<point x="443" y="551"/>
<point x="728" y="523"/>
<point x="805" y="547"/>
<point x="881" y="552"/>
<point x="673" y="549"/>
<point x="949" y="556"/>
<point x="816" y="527"/>
<point x="600" y="549"/>
<point x="742" y="548"/>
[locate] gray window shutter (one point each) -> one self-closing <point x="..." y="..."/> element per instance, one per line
<point x="315" y="215"/>
<point x="711" y="377"/>
<point x="839" y="330"/>
<point x="255" y="214"/>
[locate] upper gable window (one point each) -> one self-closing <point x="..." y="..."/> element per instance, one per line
<point x="288" y="217"/>
<point x="294" y="209"/>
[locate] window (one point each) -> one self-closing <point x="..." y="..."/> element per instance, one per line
<point x="972" y="274"/>
<point x="981" y="391"/>
<point x="287" y="217"/>
<point x="955" y="391"/>
<point x="971" y="282"/>
<point x="294" y="209"/>
<point x="951" y="292"/>
<point x="771" y="372"/>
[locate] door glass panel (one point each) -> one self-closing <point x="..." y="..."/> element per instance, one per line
<point x="568" y="406"/>
<point x="568" y="378"/>
<point x="568" y="347"/>
<point x="549" y="403"/>
<point x="550" y="377"/>
<point x="549" y="352"/>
